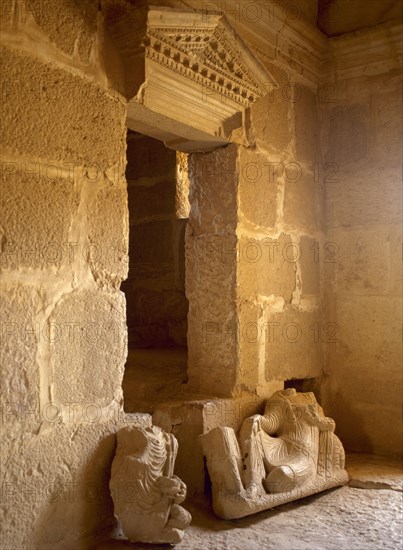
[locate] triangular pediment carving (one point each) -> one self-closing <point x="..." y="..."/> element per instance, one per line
<point x="207" y="50"/>
<point x="190" y="76"/>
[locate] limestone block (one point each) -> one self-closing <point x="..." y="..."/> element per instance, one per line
<point x="303" y="199"/>
<point x="285" y="454"/>
<point x="36" y="213"/>
<point x="369" y="427"/>
<point x="88" y="347"/>
<point x="370" y="326"/>
<point x="294" y="342"/>
<point x="349" y="134"/>
<point x="56" y="483"/>
<point x="362" y="260"/>
<point x="270" y="115"/>
<point x="310" y="266"/>
<point x="387" y="126"/>
<point x="20" y="335"/>
<point x="45" y="114"/>
<point x="145" y="461"/>
<point x="72" y="27"/>
<point x="365" y="195"/>
<point x="187" y="419"/>
<point x="214" y="180"/>
<point x="306" y="125"/>
<point x="210" y="288"/>
<point x="265" y="267"/>
<point x="108" y="236"/>
<point x="257" y="188"/>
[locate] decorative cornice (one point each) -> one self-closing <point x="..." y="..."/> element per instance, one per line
<point x="207" y="51"/>
<point x="187" y="71"/>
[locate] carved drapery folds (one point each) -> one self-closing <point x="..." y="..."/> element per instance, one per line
<point x="285" y="454"/>
<point x="189" y="76"/>
<point x="145" y="491"/>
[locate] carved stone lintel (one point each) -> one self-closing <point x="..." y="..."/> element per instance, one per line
<point x="145" y="491"/>
<point x="190" y="76"/>
<point x="288" y="453"/>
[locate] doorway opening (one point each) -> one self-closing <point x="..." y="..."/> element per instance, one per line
<point x="157" y="306"/>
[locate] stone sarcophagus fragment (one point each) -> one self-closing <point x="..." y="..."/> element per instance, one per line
<point x="285" y="454"/>
<point x="145" y="491"/>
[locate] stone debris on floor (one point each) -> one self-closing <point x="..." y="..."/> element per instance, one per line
<point x="348" y="518"/>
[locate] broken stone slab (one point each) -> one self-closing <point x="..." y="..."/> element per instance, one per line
<point x="287" y="453"/>
<point x="145" y="491"/>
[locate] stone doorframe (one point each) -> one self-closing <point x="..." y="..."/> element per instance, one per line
<point x="190" y="80"/>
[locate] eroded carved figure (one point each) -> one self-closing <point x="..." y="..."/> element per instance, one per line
<point x="145" y="491"/>
<point x="287" y="453"/>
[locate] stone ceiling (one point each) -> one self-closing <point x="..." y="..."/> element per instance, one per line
<point x="336" y="17"/>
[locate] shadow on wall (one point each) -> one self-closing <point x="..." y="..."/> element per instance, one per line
<point x="80" y="509"/>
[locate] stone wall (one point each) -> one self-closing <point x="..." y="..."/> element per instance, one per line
<point x="64" y="225"/>
<point x="155" y="289"/>
<point x="255" y="248"/>
<point x="363" y="149"/>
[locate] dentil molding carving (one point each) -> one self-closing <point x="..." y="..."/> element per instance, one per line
<point x="190" y="76"/>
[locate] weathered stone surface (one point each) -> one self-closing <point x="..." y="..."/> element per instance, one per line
<point x="56" y="125"/>
<point x="56" y="482"/>
<point x="89" y="347"/>
<point x="270" y="115"/>
<point x="386" y="131"/>
<point x="7" y="10"/>
<point x="214" y="181"/>
<point x="72" y="27"/>
<point x="189" y="419"/>
<point x="210" y="288"/>
<point x="21" y="331"/>
<point x="108" y="235"/>
<point x="36" y="214"/>
<point x="368" y="334"/>
<point x="374" y="472"/>
<point x="303" y="208"/>
<point x="257" y="188"/>
<point x="306" y="125"/>
<point x="310" y="266"/>
<point x="145" y="461"/>
<point x="348" y="134"/>
<point x="362" y="262"/>
<point x="288" y="452"/>
<point x="264" y="267"/>
<point x="293" y="344"/>
<point x="354" y="198"/>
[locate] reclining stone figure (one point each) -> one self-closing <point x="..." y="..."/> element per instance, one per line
<point x="287" y="453"/>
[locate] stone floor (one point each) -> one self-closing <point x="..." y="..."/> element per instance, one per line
<point x="365" y="515"/>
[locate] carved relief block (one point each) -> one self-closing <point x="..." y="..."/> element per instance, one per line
<point x="190" y="76"/>
<point x="145" y="491"/>
<point x="285" y="454"/>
